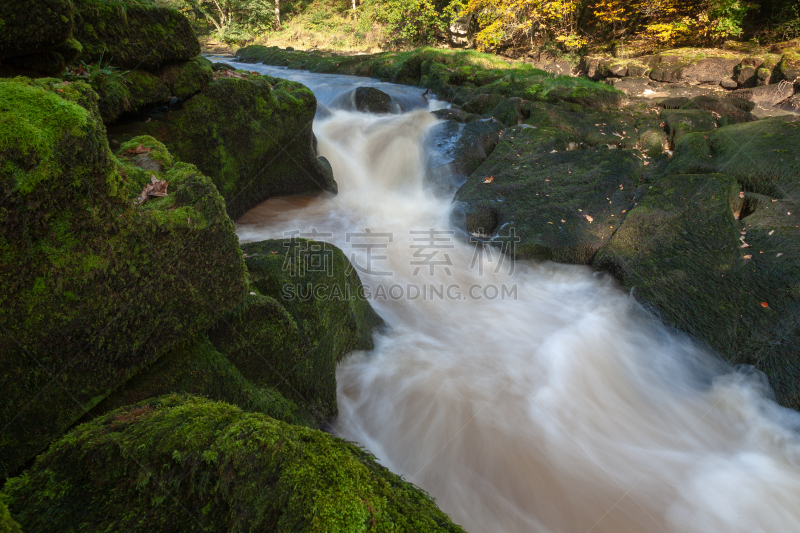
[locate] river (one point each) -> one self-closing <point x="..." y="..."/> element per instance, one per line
<point x="525" y="397"/>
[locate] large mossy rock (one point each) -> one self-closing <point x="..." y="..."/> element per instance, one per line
<point x="253" y="137"/>
<point x="94" y="286"/>
<point x="132" y="35"/>
<point x="734" y="285"/>
<point x="130" y="92"/>
<point x="308" y="310"/>
<point x="562" y="205"/>
<point x="176" y="464"/>
<point x="35" y="36"/>
<point x="678" y="250"/>
<point x="196" y="367"/>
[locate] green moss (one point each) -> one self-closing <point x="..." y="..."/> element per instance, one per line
<point x="187" y="79"/>
<point x="681" y="122"/>
<point x="144" y="466"/>
<point x="157" y="152"/>
<point x="133" y="35"/>
<point x="456" y="75"/>
<point x="129" y="92"/>
<point x="195" y="367"/>
<point x="252" y="136"/>
<point x="94" y="288"/>
<point x="301" y="322"/>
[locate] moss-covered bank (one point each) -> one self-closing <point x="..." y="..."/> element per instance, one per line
<point x="457" y="76"/>
<point x="187" y="464"/>
<point x="94" y="287"/>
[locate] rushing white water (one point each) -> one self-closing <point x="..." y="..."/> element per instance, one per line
<point x="555" y="406"/>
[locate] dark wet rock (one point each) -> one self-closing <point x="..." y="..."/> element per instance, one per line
<point x="767" y="95"/>
<point x="229" y="469"/>
<point x="36" y="37"/>
<point x="562" y="204"/>
<point x="372" y="100"/>
<point x="196" y="367"/>
<point x="219" y="67"/>
<point x="141" y="36"/>
<point x="677" y="250"/>
<point x="679" y="122"/>
<point x="707" y="70"/>
<point x="730" y="283"/>
<point x="91" y="288"/>
<point x="284" y="338"/>
<point x="726" y="110"/>
<point x="673" y="103"/>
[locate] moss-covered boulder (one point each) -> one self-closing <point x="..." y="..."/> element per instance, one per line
<point x="35" y="36"/>
<point x="94" y="287"/>
<point x="196" y="367"/>
<point x="680" y="122"/>
<point x="306" y="312"/>
<point x="789" y="68"/>
<point x="176" y="464"/>
<point x="678" y="250"/>
<point x="561" y="204"/>
<point x="130" y="92"/>
<point x="132" y="35"/>
<point x="372" y="100"/>
<point x="733" y="285"/>
<point x="253" y="138"/>
<point x="187" y="79"/>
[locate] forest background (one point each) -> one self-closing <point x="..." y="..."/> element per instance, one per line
<point x="500" y="26"/>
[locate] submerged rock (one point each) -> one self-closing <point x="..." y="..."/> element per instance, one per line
<point x="372" y="100"/>
<point x="94" y="286"/>
<point x="146" y="465"/>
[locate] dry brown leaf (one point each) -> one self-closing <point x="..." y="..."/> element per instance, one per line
<point x="489" y="179"/>
<point x="156" y="187"/>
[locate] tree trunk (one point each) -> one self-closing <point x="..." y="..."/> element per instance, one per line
<point x="354" y="5"/>
<point x="278" y="14"/>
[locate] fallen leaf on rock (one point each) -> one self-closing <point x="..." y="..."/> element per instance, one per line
<point x="779" y="254"/>
<point x="252" y="294"/>
<point x="274" y="253"/>
<point x="764" y="304"/>
<point x="156" y="187"/>
<point x="741" y="194"/>
<point x="747" y="257"/>
<point x="141" y="149"/>
<point x="590" y="219"/>
<point x="489" y="179"/>
<point x="771" y="232"/>
<point x="773" y="201"/>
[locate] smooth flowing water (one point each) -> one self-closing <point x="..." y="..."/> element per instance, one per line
<point x="524" y="397"/>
